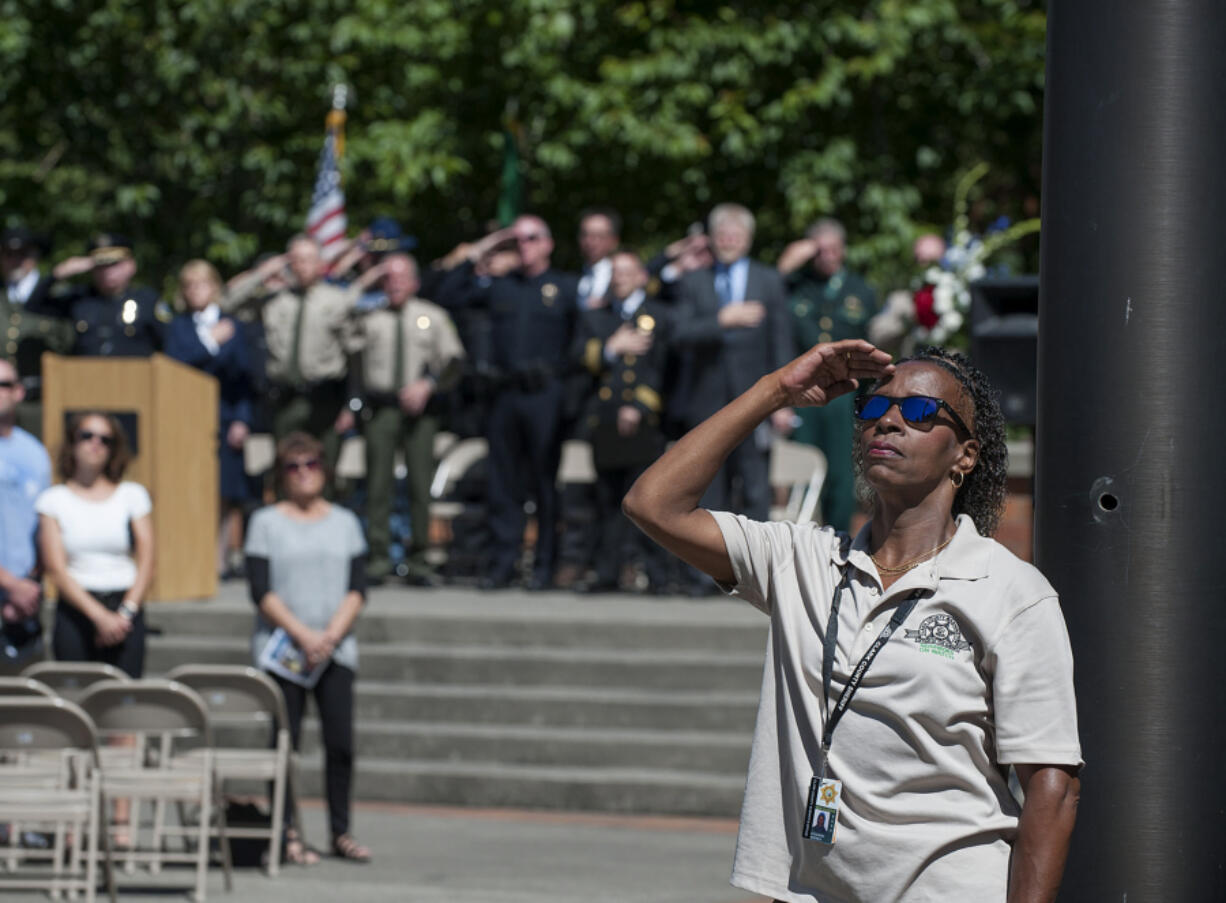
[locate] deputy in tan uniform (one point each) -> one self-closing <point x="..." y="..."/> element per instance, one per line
<point x="310" y="329"/>
<point x="410" y="351"/>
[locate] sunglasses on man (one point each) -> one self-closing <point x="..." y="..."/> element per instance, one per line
<point x="915" y="409"/>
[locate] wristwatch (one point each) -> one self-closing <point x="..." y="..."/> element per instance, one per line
<point x="128" y="610"/>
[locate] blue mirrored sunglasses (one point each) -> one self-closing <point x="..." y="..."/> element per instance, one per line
<point x="915" y="409"/>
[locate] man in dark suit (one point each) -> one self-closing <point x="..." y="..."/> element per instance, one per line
<point x="731" y="329"/>
<point x="624" y="346"/>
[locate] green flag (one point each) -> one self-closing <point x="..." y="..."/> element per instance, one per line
<point x="511" y="198"/>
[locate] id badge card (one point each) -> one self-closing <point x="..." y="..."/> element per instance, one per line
<point x="822" y="811"/>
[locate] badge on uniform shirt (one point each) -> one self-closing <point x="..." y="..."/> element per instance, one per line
<point x="549" y="291"/>
<point x="129" y="311"/>
<point x="822" y="812"/>
<point x="423" y="322"/>
<point x="645" y="323"/>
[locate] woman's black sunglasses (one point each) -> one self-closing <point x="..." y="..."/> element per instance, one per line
<point x="915" y="409"/>
<point x="87" y="435"/>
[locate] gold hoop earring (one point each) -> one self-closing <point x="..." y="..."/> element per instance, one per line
<point x="957" y="478"/>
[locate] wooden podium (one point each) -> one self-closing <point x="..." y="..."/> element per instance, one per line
<point x="170" y="413"/>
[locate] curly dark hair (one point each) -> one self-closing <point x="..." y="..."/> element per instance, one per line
<point x="982" y="494"/>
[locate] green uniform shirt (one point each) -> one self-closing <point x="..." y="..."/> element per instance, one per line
<point x="829" y="310"/>
<point x="27" y="336"/>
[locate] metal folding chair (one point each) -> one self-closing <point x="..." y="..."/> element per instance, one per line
<point x="25" y="686"/>
<point x="167" y="716"/>
<point x="51" y="778"/>
<point x="242" y="698"/>
<point x="71" y="679"/>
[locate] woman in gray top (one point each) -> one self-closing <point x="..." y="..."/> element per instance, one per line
<point x="306" y="562"/>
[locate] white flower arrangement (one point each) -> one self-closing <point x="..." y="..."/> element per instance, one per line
<point x="962" y="264"/>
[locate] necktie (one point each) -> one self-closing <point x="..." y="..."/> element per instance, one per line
<point x="723" y="285"/>
<point x="294" y="370"/>
<point x="398" y="380"/>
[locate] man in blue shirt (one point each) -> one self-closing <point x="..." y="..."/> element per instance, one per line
<point x="25" y="471"/>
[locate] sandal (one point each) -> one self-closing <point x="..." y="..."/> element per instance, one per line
<point x="297" y="852"/>
<point x="345" y="847"/>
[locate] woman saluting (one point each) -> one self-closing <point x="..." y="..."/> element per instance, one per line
<point x="908" y="667"/>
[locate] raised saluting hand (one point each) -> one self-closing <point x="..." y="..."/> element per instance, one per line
<point x="831" y="369"/>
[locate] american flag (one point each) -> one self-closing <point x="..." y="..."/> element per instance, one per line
<point x="326" y="221"/>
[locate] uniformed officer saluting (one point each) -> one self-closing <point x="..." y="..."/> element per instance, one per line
<point x="112" y="318"/>
<point x="27" y="330"/>
<point x="310" y="332"/>
<point x="410" y="350"/>
<point x="532" y="320"/>
<point x="829" y="303"/>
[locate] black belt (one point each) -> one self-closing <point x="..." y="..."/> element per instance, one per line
<point x="312" y="388"/>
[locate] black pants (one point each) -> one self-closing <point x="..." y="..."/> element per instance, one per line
<point x="74" y="637"/>
<point x="525" y="439"/>
<point x="334" y="699"/>
<point x="742" y="484"/>
<point x="619" y="540"/>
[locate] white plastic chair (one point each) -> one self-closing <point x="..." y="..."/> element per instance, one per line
<point x="801" y="470"/>
<point x="461" y="456"/>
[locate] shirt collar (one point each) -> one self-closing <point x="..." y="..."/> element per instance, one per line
<point x="20" y="289"/>
<point x="965" y="558"/>
<point x="632" y="302"/>
<point x="207" y="317"/>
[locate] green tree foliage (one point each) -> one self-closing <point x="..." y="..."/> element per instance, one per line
<point x="194" y="125"/>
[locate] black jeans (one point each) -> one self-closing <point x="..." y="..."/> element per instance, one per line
<point x="74" y="637"/>
<point x="334" y="699"/>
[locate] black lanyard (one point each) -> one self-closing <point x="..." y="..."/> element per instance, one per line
<point x="830" y="646"/>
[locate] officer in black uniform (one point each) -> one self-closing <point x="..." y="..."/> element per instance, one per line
<point x="26" y="327"/>
<point x="111" y="317"/>
<point x="624" y="345"/>
<point x="532" y="314"/>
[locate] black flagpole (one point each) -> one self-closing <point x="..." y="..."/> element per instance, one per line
<point x="1130" y="512"/>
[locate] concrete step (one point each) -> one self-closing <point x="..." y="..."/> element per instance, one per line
<point x="521" y="665"/>
<point x="550" y="701"/>
<point x="463" y="617"/>
<point x="558" y="706"/>
<point x="484" y="784"/>
<point x="713" y="752"/>
<point x="704" y="751"/>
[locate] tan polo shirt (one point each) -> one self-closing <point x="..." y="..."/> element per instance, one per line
<point x="431" y="346"/>
<point x="978" y="677"/>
